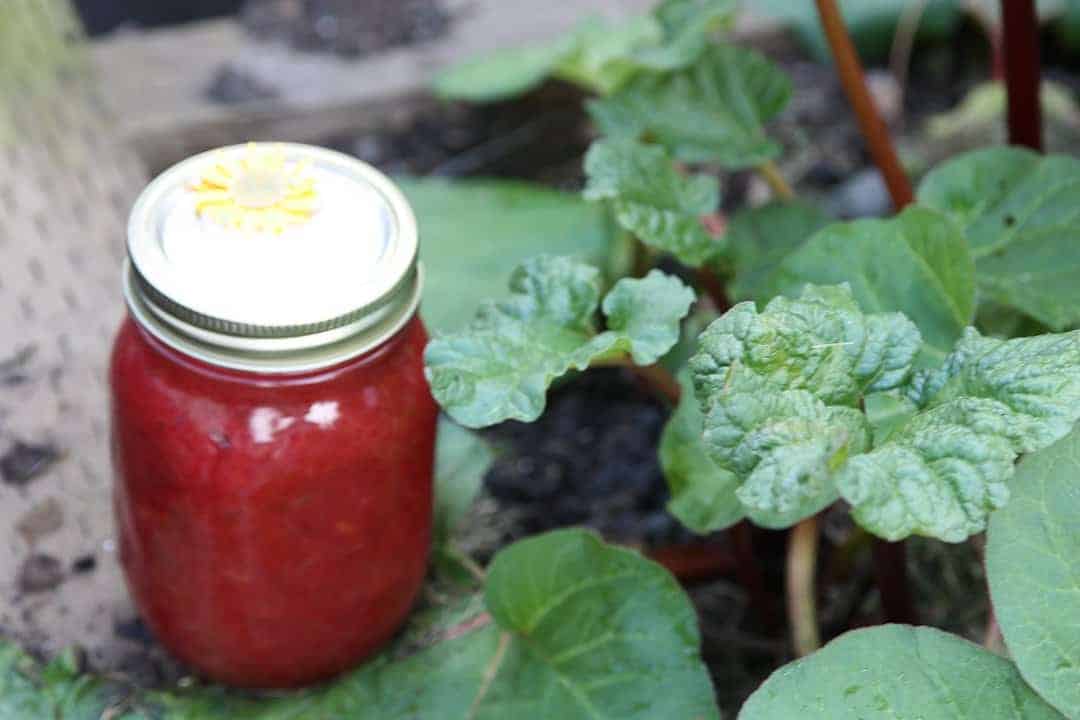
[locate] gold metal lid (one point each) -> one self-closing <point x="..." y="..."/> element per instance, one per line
<point x="272" y="257"/>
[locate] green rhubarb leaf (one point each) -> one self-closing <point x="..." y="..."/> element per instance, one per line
<point x="821" y="342"/>
<point x="597" y="55"/>
<point x="943" y="472"/>
<point x="712" y="111"/>
<point x="896" y="672"/>
<point x="686" y="27"/>
<point x="501" y="365"/>
<point x="780" y="390"/>
<point x="602" y="60"/>
<point x="651" y="199"/>
<point x="595" y="631"/>
<point x="917" y="263"/>
<point x="702" y="493"/>
<point x="758" y="240"/>
<point x="1033" y="566"/>
<point x="1021" y="214"/>
<point x="643" y="317"/>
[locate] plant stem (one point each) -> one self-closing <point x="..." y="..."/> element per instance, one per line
<point x="890" y="570"/>
<point x="889" y="559"/>
<point x="866" y="113"/>
<point x="992" y="639"/>
<point x="657" y="378"/>
<point x="708" y="281"/>
<point x="772" y="175"/>
<point x="660" y="380"/>
<point x="462" y="558"/>
<point x="694" y="561"/>
<point x="801" y="590"/>
<point x="490" y="672"/>
<point x="1021" y="43"/>
<point x="465" y="627"/>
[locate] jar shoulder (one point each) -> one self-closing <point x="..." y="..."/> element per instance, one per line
<point x="152" y="384"/>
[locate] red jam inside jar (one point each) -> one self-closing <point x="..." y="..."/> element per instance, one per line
<point x="274" y="483"/>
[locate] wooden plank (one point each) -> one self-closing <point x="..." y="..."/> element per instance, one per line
<point x="157" y="82"/>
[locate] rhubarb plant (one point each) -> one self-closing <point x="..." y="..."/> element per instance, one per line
<point x="860" y="366"/>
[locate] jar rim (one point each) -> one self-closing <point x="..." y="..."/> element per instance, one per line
<point x="274" y="356"/>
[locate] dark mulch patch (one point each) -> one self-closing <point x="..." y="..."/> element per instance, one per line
<point x="540" y="137"/>
<point x="351" y="28"/>
<point x="589" y="460"/>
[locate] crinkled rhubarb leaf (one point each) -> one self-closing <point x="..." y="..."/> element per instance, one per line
<point x="784" y="445"/>
<point x="758" y="240"/>
<point x="501" y="365"/>
<point x="651" y="199"/>
<point x="574" y="629"/>
<point x="917" y="263"/>
<point x="702" y="493"/>
<point x="597" y="55"/>
<point x="896" y="672"/>
<point x="602" y="59"/>
<point x="943" y="472"/>
<point x="712" y="111"/>
<point x="1033" y="565"/>
<point x="784" y="393"/>
<point x="1021" y="214"/>
<point x="780" y="391"/>
<point x="686" y="27"/>
<point x="643" y="317"/>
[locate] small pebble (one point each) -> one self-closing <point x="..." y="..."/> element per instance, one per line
<point x="40" y="573"/>
<point x="42" y="520"/>
<point x="25" y="462"/>
<point x="133" y="629"/>
<point x="233" y="86"/>
<point x="862" y="195"/>
<point x="84" y="564"/>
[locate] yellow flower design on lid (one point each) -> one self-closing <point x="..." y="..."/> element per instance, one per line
<point x="256" y="191"/>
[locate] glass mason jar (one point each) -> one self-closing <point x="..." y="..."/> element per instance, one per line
<point x="272" y="431"/>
